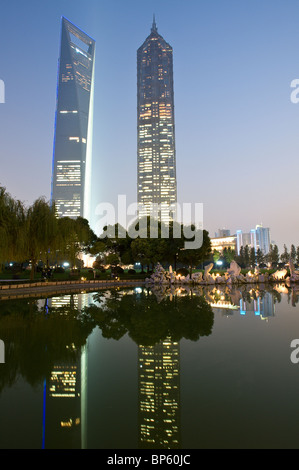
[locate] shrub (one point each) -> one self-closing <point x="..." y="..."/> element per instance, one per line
<point x="59" y="270"/>
<point x="182" y="271"/>
<point x="116" y="269"/>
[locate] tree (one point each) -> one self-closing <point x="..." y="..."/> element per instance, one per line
<point x="229" y="255"/>
<point x="174" y="243"/>
<point x="285" y="257"/>
<point x="260" y="257"/>
<point x="241" y="258"/>
<point x="193" y="257"/>
<point x="273" y="256"/>
<point x="252" y="257"/>
<point x="246" y="256"/>
<point x="74" y="237"/>
<point x="216" y="256"/>
<point x="297" y="255"/>
<point x="12" y="228"/>
<point x="41" y="232"/>
<point x="293" y="253"/>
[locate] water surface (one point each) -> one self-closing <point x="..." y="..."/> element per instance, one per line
<point x="140" y="368"/>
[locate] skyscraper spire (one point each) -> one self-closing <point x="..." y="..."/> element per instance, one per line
<point x="154" y="27"/>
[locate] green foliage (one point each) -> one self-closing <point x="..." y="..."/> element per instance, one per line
<point x="149" y="242"/>
<point x="273" y="256"/>
<point x="37" y="234"/>
<point x="228" y="255"/>
<point x="285" y="256"/>
<point x="193" y="257"/>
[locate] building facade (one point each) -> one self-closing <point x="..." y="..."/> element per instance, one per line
<point x="156" y="156"/>
<point x="262" y="239"/>
<point x="220" y="243"/>
<point x="258" y="238"/>
<point x="72" y="154"/>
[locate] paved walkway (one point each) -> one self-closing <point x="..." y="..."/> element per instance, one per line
<point x="38" y="289"/>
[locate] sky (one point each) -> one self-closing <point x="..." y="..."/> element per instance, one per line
<point x="237" y="130"/>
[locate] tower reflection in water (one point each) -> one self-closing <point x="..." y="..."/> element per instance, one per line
<point x="159" y="395"/>
<point x="65" y="392"/>
<point x="159" y="420"/>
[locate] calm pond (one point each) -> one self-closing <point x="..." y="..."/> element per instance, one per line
<point x="139" y="368"/>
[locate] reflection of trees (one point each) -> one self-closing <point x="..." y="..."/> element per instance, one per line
<point x="35" y="341"/>
<point x="36" y="338"/>
<point x="148" y="321"/>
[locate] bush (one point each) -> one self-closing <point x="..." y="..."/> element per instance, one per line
<point x="116" y="270"/>
<point x="182" y="272"/>
<point x="131" y="271"/>
<point x="59" y="270"/>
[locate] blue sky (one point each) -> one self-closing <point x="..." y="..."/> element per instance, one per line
<point x="237" y="131"/>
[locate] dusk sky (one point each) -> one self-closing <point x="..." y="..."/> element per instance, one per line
<point x="237" y="130"/>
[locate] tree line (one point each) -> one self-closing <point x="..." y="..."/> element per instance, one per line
<point x="35" y="233"/>
<point x="249" y="257"/>
<point x="121" y="248"/>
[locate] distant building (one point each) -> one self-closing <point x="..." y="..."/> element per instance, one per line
<point x="223" y="232"/>
<point x="258" y="238"/>
<point x="73" y="124"/>
<point x="243" y="239"/>
<point x="156" y="159"/>
<point x="262" y="239"/>
<point x="220" y="243"/>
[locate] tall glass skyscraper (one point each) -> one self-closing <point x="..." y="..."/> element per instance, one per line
<point x="73" y="124"/>
<point x="156" y="163"/>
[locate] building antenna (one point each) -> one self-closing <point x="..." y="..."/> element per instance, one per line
<point x="154" y="27"/>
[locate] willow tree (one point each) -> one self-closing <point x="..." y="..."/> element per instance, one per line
<point x="12" y="228"/>
<point x="41" y="229"/>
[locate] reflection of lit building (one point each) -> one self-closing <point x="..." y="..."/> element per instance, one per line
<point x="260" y="306"/>
<point x="65" y="392"/>
<point x="156" y="130"/>
<point x="159" y="395"/>
<point x="64" y="420"/>
<point x="75" y="301"/>
<point x="73" y="124"/>
<point x="220" y="243"/>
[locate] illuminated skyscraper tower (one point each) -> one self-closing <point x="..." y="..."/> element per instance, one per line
<point x="73" y="126"/>
<point x="155" y="122"/>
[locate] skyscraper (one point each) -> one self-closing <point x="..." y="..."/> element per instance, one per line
<point x="258" y="238"/>
<point x="156" y="159"/>
<point x="73" y="124"/>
